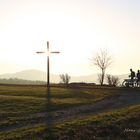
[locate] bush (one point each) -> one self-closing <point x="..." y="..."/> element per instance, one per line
<point x="112" y="80"/>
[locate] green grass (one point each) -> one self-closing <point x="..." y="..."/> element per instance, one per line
<point x="31" y="99"/>
<point x="18" y="104"/>
<point x="114" y="125"/>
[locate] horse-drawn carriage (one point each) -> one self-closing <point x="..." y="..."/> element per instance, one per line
<point x="129" y="83"/>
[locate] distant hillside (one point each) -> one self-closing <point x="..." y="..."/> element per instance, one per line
<point x="21" y="82"/>
<point x="26" y="74"/>
<point x="36" y="75"/>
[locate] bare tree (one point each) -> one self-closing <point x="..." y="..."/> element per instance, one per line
<point x="102" y="60"/>
<point x="112" y="80"/>
<point x="100" y="78"/>
<point x="109" y="79"/>
<point x="65" y="78"/>
<point x="115" y="81"/>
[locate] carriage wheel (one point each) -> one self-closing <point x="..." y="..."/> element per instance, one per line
<point x="125" y="83"/>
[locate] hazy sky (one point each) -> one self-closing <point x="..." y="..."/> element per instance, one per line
<point x="76" y="28"/>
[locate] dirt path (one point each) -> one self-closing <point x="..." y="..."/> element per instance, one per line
<point x="114" y="102"/>
<point x="119" y="101"/>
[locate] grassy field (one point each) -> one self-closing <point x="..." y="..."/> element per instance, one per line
<point x="21" y="106"/>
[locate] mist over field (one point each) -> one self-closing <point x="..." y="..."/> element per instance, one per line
<point x="37" y="75"/>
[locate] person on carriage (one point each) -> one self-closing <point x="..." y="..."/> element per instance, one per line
<point x="138" y="78"/>
<point x="132" y="76"/>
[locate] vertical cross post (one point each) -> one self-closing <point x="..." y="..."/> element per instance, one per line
<point x="48" y="62"/>
<point x="48" y="66"/>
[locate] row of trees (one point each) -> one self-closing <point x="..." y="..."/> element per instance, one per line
<point x="102" y="60"/>
<point x="110" y="79"/>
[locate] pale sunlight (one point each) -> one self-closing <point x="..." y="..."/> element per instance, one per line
<point x="76" y="29"/>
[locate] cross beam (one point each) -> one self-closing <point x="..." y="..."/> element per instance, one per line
<point x="48" y="62"/>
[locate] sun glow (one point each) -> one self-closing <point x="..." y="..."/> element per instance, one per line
<point x="76" y="29"/>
